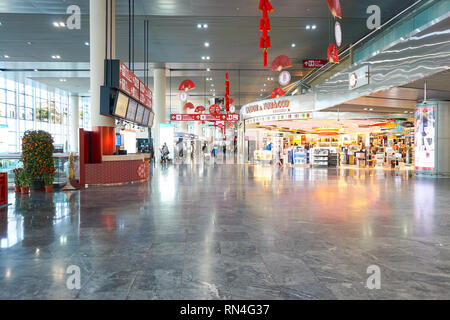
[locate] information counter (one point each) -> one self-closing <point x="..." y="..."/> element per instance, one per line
<point x="121" y="169"/>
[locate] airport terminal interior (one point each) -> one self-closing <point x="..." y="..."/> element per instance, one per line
<point x="224" y="150"/>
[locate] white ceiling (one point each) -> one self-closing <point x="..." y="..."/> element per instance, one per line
<point x="27" y="35"/>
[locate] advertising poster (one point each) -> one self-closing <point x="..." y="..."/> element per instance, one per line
<point x="425" y="124"/>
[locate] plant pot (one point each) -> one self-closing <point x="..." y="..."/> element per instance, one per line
<point x="49" y="189"/>
<point x="17" y="189"/>
<point x="25" y="190"/>
<point x="37" y="185"/>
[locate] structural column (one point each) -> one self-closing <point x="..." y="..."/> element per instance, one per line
<point x="103" y="126"/>
<point x="74" y="122"/>
<point x="159" y="105"/>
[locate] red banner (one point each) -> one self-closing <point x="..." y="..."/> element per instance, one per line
<point x="205" y="117"/>
<point x="314" y="63"/>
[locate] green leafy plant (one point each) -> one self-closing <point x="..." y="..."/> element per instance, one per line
<point x="37" y="152"/>
<point x="25" y="179"/>
<point x="17" y="176"/>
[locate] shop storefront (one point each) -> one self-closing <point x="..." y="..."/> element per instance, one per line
<point x="286" y="132"/>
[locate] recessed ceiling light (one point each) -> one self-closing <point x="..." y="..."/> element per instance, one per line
<point x="314" y="27"/>
<point x="206" y="44"/>
<point x="62" y="80"/>
<point x="207" y="58"/>
<point x="208" y="69"/>
<point x="265" y="84"/>
<point x="212" y="84"/>
<point x="205" y="26"/>
<point x="29" y="43"/>
<point x="86" y="43"/>
<point x="203" y="58"/>
<point x="308" y="27"/>
<point x="6" y="56"/>
<point x="293" y="45"/>
<point x="371" y="109"/>
<point x="56" y="24"/>
<point x="62" y="24"/>
<point x="36" y="70"/>
<point x="199" y="26"/>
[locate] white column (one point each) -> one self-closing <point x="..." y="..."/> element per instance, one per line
<point x="74" y="122"/>
<point x="159" y="106"/>
<point x="97" y="20"/>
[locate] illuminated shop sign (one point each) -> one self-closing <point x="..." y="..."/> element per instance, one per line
<point x="291" y="116"/>
<point x="271" y="105"/>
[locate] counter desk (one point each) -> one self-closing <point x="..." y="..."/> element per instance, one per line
<point x="120" y="169"/>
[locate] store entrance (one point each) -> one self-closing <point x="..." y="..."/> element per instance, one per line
<point x="353" y="143"/>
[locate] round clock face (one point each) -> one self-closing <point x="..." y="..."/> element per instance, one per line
<point x="285" y="78"/>
<point x="184" y="96"/>
<point x="338" y="33"/>
<point x="353" y="80"/>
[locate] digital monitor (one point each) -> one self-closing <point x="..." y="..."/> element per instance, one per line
<point x="132" y="109"/>
<point x="140" y="114"/>
<point x="120" y="109"/>
<point x="146" y="116"/>
<point x="150" y="120"/>
<point x="118" y="140"/>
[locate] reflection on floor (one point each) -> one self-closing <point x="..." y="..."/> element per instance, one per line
<point x="233" y="232"/>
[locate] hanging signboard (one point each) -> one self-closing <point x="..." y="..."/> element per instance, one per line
<point x="204" y="117"/>
<point x="120" y="77"/>
<point x="359" y="78"/>
<point x="425" y="140"/>
<point x="314" y="63"/>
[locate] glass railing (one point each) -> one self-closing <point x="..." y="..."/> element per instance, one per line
<point x="415" y="17"/>
<point x="11" y="161"/>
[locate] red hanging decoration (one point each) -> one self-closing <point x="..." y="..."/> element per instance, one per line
<point x="227" y="93"/>
<point x="264" y="26"/>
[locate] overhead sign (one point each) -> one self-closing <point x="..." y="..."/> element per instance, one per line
<point x="120" y="77"/>
<point x="359" y="78"/>
<point x="314" y="63"/>
<point x="204" y="117"/>
<point x="425" y="140"/>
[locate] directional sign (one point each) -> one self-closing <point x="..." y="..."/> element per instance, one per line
<point x="233" y="117"/>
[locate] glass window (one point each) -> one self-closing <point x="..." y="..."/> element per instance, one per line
<point x="2" y="110"/>
<point x="2" y="96"/>
<point x="12" y="112"/>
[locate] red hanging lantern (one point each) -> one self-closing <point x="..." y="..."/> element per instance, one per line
<point x="264" y="26"/>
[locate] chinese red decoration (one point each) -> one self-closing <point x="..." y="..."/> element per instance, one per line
<point x="335" y="8"/>
<point x="186" y="85"/>
<point x="214" y="109"/>
<point x="264" y="27"/>
<point x="200" y="109"/>
<point x="227" y="94"/>
<point x="333" y="54"/>
<point x="277" y="93"/>
<point x="280" y="63"/>
<point x="189" y="105"/>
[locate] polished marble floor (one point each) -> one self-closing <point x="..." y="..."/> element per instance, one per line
<point x="233" y="232"/>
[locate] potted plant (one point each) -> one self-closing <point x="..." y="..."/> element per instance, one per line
<point x="25" y="181"/>
<point x="37" y="152"/>
<point x="17" y="179"/>
<point x="48" y="175"/>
